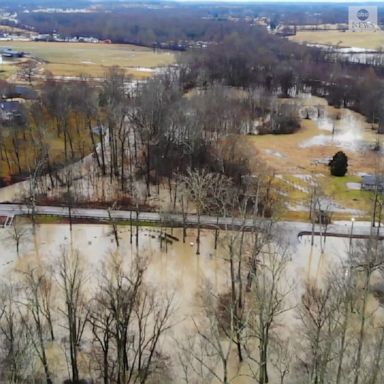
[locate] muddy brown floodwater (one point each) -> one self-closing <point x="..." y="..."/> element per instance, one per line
<point x="176" y="269"/>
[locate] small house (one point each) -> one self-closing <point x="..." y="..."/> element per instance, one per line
<point x="372" y="182"/>
<point x="10" y="53"/>
<point x="10" y="110"/>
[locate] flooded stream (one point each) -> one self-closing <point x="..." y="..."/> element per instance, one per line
<point x="343" y="127"/>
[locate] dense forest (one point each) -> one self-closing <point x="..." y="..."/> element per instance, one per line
<point x="149" y="27"/>
<point x="155" y="23"/>
<point x="279" y="66"/>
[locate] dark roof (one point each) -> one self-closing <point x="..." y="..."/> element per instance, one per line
<point x="10" y="106"/>
<point x="25" y="92"/>
<point x="19" y="91"/>
<point x="11" y="52"/>
<point x="372" y="179"/>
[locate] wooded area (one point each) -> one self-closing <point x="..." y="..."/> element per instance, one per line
<point x="173" y="143"/>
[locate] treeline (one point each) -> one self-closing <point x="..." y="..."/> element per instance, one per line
<point x="175" y="29"/>
<point x="177" y="26"/>
<point x="187" y="19"/>
<point x="154" y="133"/>
<point x="285" y="68"/>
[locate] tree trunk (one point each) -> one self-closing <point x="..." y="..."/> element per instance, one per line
<point x="362" y="327"/>
<point x="103" y="167"/>
<point x="198" y="234"/>
<point x="263" y="374"/>
<point x="343" y="339"/>
<point x="148" y="161"/>
<point x="377" y="361"/>
<point x="94" y="147"/>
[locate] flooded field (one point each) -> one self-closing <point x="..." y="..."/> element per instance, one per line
<point x="173" y="268"/>
<point x="300" y="160"/>
<point x="324" y="130"/>
<point x="347" y="131"/>
<point x="171" y="264"/>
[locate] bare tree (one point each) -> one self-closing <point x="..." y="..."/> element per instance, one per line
<point x="128" y="321"/>
<point x="112" y="221"/>
<point x="35" y="284"/>
<point x="114" y="102"/>
<point x="149" y="117"/>
<point x="16" y="342"/>
<point x="281" y="357"/>
<point x="207" y="352"/>
<point x="102" y="324"/>
<point x="367" y="259"/>
<point x="71" y="281"/>
<point x="18" y="233"/>
<point x="27" y="70"/>
<point x="316" y="314"/>
<point x="33" y="189"/>
<point x="270" y="290"/>
<point x="203" y="188"/>
<point x="376" y="371"/>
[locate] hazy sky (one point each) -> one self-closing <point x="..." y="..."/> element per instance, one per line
<point x="357" y="2"/>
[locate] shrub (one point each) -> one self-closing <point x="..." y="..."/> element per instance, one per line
<point x="339" y="164"/>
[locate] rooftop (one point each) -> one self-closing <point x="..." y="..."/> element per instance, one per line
<point x="372" y="179"/>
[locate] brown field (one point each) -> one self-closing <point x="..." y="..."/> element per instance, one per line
<point x="369" y="40"/>
<point x="296" y="167"/>
<point x="72" y="59"/>
<point x="7" y="70"/>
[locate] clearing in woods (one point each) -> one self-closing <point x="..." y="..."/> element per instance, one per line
<point x="71" y="59"/>
<point x="368" y="40"/>
<point x="298" y="160"/>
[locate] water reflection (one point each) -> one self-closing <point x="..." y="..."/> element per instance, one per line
<point x="345" y="129"/>
<point x="176" y="268"/>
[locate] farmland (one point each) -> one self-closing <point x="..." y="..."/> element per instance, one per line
<point x="368" y="40"/>
<point x="71" y="59"/>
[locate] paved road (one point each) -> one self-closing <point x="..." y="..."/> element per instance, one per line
<point x="354" y="235"/>
<point x="287" y="229"/>
<point x="102" y="214"/>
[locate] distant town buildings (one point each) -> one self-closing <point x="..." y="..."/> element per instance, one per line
<point x="58" y="38"/>
<point x="60" y="10"/>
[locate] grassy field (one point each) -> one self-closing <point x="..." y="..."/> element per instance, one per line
<point x="71" y="59"/>
<point x="336" y="188"/>
<point x="7" y="70"/>
<point x="371" y="40"/>
<point x="296" y="165"/>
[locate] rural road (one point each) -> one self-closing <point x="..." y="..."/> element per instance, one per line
<point x="288" y="229"/>
<point x="102" y="214"/>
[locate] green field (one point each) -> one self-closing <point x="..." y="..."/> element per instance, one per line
<point x="7" y="70"/>
<point x="71" y="59"/>
<point x="369" y="40"/>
